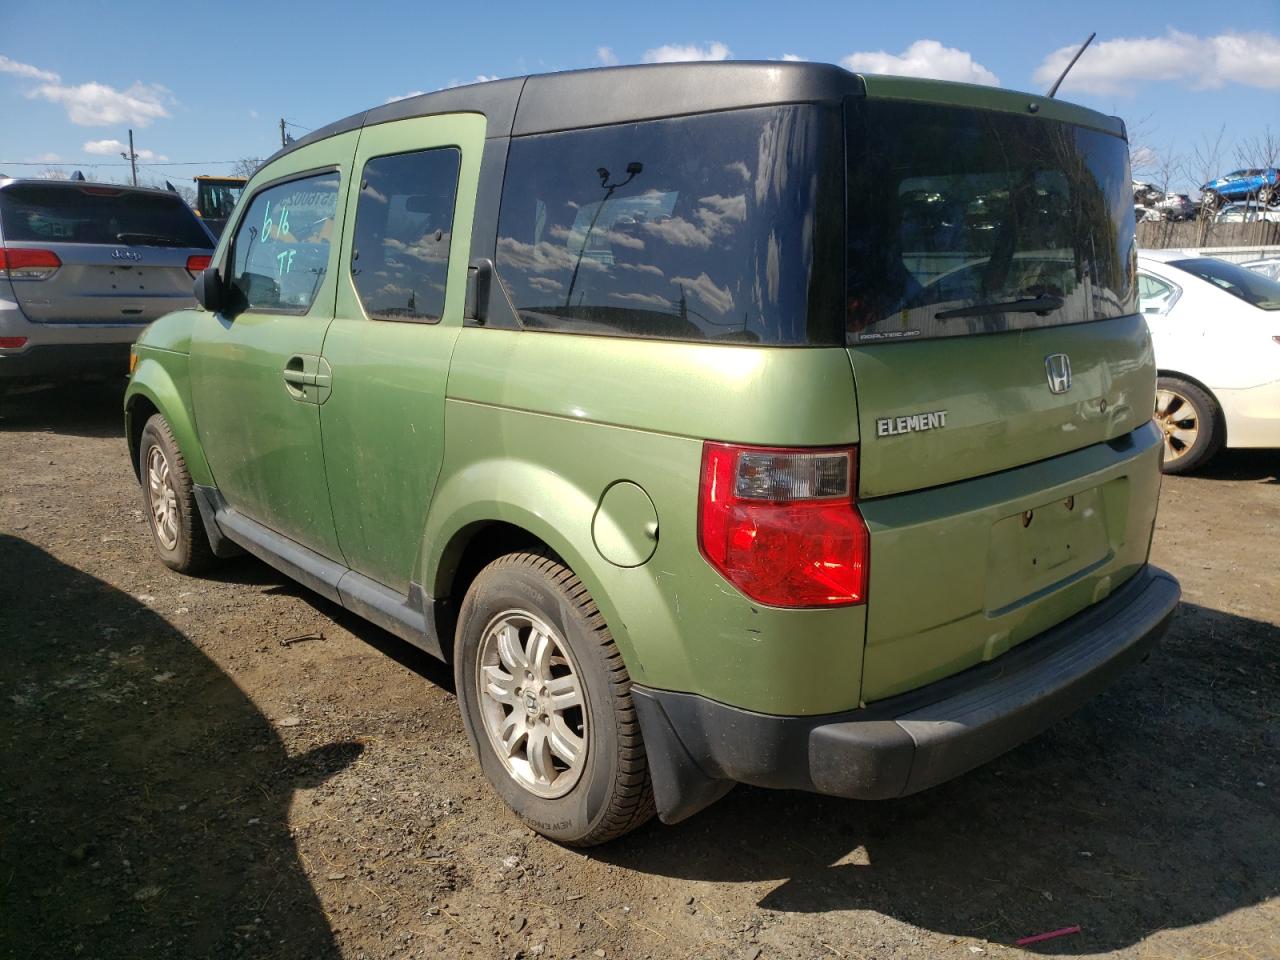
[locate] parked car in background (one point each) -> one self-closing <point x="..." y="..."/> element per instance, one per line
<point x="83" y="268"/>
<point x="1269" y="267"/>
<point x="1254" y="183"/>
<point x="1246" y="213"/>
<point x="1215" y="327"/>
<point x="1176" y="206"/>
<point x="1145" y="194"/>
<point x="554" y="376"/>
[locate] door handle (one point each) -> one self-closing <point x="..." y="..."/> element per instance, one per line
<point x="298" y="374"/>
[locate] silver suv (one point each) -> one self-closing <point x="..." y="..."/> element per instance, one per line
<point x="83" y="268"/>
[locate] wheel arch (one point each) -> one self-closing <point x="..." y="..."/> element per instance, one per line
<point x="496" y="505"/>
<point x="152" y="390"/>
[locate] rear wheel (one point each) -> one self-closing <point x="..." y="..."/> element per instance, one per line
<point x="169" y="503"/>
<point x="546" y="701"/>
<point x="1191" y="423"/>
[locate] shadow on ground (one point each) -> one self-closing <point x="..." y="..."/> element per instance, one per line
<point x="77" y="409"/>
<point x="145" y="798"/>
<point x="1145" y="811"/>
<point x="1261" y="465"/>
<point x="248" y="571"/>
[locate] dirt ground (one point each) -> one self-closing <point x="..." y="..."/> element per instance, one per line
<point x="181" y="777"/>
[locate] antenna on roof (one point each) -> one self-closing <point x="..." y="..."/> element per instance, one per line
<point x="1054" y="89"/>
<point x="77" y="175"/>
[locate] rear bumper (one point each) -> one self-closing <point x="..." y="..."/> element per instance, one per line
<point x="1252" y="415"/>
<point x="699" y="748"/>
<point x="66" y="360"/>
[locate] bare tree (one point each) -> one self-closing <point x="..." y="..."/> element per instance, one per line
<point x="246" y="167"/>
<point x="182" y="189"/>
<point x="54" y="173"/>
<point x="1205" y="163"/>
<point x="1260" y="150"/>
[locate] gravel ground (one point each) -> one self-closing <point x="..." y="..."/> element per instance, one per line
<point x="232" y="767"/>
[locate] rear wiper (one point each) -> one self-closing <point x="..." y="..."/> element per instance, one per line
<point x="1043" y="306"/>
<point x="149" y="239"/>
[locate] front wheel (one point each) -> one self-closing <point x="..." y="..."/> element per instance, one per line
<point x="1191" y="423"/>
<point x="168" y="499"/>
<point x="546" y="701"/>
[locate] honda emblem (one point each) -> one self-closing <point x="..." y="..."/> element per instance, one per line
<point x="1057" y="368"/>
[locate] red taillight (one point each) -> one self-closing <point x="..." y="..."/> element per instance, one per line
<point x="197" y="262"/>
<point x="25" y="264"/>
<point x="12" y="343"/>
<point x="781" y="524"/>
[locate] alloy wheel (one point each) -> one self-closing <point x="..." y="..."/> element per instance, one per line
<point x="1179" y="421"/>
<point x="533" y="705"/>
<point x="162" y="497"/>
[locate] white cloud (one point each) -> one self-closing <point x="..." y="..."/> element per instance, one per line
<point x="678" y="53"/>
<point x="793" y="58"/>
<point x="99" y="105"/>
<point x="113" y="147"/>
<point x="27" y="71"/>
<point x="479" y="78"/>
<point x="606" y="56"/>
<point x="705" y="289"/>
<point x="1116" y="67"/>
<point x="253" y="114"/>
<point x="45" y="158"/>
<point x="924" y="58"/>
<point x="405" y="96"/>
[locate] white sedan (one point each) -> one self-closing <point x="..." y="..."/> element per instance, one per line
<point x="1215" y="327"/>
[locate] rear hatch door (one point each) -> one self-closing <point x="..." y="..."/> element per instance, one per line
<point x="124" y="253"/>
<point x="1000" y="367"/>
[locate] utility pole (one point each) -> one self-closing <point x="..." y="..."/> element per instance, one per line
<point x="132" y="158"/>
<point x="283" y="141"/>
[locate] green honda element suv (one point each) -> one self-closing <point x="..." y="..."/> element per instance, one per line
<point x="720" y="423"/>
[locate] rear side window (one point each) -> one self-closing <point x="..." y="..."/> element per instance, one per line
<point x="98" y="214"/>
<point x="404" y="221"/>
<point x="711" y="227"/>
<point x="281" y="249"/>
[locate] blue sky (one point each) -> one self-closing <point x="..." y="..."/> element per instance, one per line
<point x="201" y="85"/>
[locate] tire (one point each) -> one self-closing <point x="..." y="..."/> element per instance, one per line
<point x="1191" y="422"/>
<point x="576" y="774"/>
<point x="176" y="528"/>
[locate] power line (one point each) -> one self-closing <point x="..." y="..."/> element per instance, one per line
<point x="90" y="163"/>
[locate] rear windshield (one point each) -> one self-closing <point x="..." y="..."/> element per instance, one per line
<point x="59" y="214"/>
<point x="711" y="227"/>
<point x="965" y="221"/>
<point x="1249" y="285"/>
